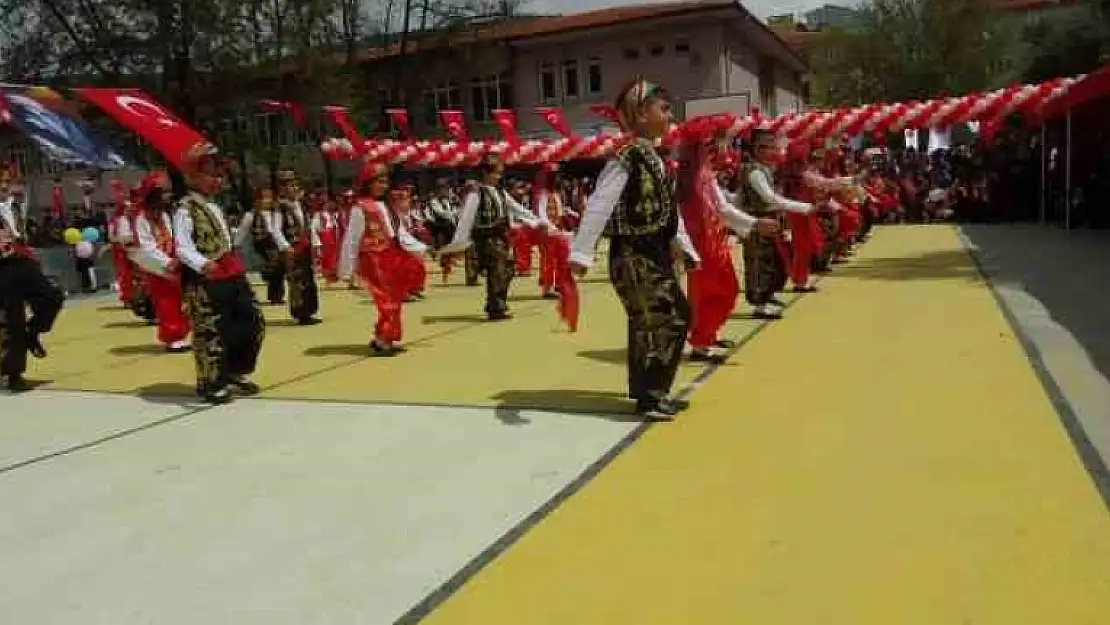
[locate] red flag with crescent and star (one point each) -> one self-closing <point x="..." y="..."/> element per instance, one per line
<point x="455" y="124"/>
<point x="554" y="118"/>
<point x="400" y="120"/>
<point x="143" y="115"/>
<point x="506" y="123"/>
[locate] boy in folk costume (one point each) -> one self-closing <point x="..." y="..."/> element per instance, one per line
<point x="633" y="205"/>
<point x="228" y="327"/>
<point x="764" y="269"/>
<point x="381" y="248"/>
<point x="128" y="283"/>
<point x="22" y="286"/>
<point x="712" y="287"/>
<point x="484" y="221"/>
<point x="298" y="245"/>
<point x="152" y="253"/>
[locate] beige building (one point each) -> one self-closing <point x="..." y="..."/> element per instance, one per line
<point x="697" y="49"/>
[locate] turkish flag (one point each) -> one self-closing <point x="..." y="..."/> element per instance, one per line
<point x="455" y="124"/>
<point x="506" y="123"/>
<point x="554" y="118"/>
<point x="400" y="120"/>
<point x="605" y="111"/>
<point x="141" y="114"/>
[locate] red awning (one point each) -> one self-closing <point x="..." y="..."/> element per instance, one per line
<point x="1093" y="86"/>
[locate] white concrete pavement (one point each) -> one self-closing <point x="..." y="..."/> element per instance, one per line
<point x="120" y="511"/>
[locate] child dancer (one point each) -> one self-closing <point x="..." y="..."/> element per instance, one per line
<point x="634" y="205"/>
<point x="380" y="247"/>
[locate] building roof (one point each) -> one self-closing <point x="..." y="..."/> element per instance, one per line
<point x="522" y="28"/>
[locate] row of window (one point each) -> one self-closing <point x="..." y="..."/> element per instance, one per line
<point x="487" y="94"/>
<point x="566" y="80"/>
<point x="681" y="48"/>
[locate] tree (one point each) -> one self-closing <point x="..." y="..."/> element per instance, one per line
<point x="901" y="50"/>
<point x="1072" y="45"/>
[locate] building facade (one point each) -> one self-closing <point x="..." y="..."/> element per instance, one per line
<point x="697" y="50"/>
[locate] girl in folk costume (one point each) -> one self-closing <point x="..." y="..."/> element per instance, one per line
<point x="712" y="287"/>
<point x="381" y="248"/>
<point x="416" y="274"/>
<point x="522" y="237"/>
<point x="153" y="256"/>
<point x="556" y="279"/>
<point x="22" y="286"/>
<point x="633" y="204"/>
<point x="228" y="327"/>
<point x="127" y="283"/>
<point x="343" y="217"/>
<point x="484" y="223"/>
<point x="325" y="228"/>
<point x="764" y="264"/>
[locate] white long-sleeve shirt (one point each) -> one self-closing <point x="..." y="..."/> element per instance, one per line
<point x="356" y="227"/>
<point x="11" y="215"/>
<point x="735" y="218"/>
<point x="442" y="209"/>
<point x="145" y="251"/>
<point x="759" y="182"/>
<point x="184" y="247"/>
<point x="469" y="212"/>
<point x="599" y="208"/>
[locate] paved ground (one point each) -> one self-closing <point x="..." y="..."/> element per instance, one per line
<point x="884" y="455"/>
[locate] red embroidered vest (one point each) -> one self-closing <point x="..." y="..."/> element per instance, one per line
<point x="375" y="233"/>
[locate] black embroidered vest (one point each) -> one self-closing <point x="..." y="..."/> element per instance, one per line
<point x="208" y="235"/>
<point x="646" y="206"/>
<point x="491" y="209"/>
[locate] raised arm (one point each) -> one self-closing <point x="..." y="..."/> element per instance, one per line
<point x="599" y="208"/>
<point x="461" y="240"/>
<point x="763" y="187"/>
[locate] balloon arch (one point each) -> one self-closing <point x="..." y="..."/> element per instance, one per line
<point x="812" y="127"/>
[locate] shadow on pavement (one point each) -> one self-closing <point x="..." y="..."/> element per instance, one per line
<point x="1066" y="270"/>
<point x="942" y="265"/>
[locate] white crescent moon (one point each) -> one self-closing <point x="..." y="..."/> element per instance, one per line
<point x="135" y="106"/>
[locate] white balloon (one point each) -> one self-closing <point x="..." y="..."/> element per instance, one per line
<point x="84" y="250"/>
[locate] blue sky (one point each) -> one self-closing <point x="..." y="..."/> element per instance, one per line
<point x="761" y="8"/>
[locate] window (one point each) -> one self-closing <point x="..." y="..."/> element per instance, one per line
<point x="547" y="83"/>
<point x="444" y="96"/>
<point x="264" y="126"/>
<point x="682" y="47"/>
<point x="571" y="84"/>
<point x="631" y="54"/>
<point x="656" y="49"/>
<point x="488" y="93"/>
<point x="593" y="77"/>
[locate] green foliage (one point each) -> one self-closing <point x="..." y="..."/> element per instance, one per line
<point x="1075" y="42"/>
<point x="903" y="50"/>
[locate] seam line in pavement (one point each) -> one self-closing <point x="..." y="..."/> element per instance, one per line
<point x="1088" y="453"/>
<point x="433" y="600"/>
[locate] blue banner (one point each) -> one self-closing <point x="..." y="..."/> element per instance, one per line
<point x="56" y="127"/>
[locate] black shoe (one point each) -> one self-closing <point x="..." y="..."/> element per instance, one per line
<point x="551" y="295"/>
<point x="675" y="405"/>
<point x="805" y="289"/>
<point x="34" y="346"/>
<point x="725" y="343"/>
<point x="217" y="397"/>
<point x="16" y="384"/>
<point x="309" y="321"/>
<point x="654" y="411"/>
<point x="777" y="302"/>
<point x="499" y="316"/>
<point x="701" y="355"/>
<point x="245" y="386"/>
<point x="382" y="351"/>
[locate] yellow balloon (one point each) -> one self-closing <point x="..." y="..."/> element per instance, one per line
<point x="72" y="236"/>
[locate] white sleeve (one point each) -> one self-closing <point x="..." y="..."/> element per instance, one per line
<point x="148" y="246"/>
<point x="314" y="227"/>
<point x="735" y="218"/>
<point x="685" y="242"/>
<point x="123" y="231"/>
<point x="348" y="252"/>
<point x="410" y="243"/>
<point x="599" y="208"/>
<point x="183" y="244"/>
<point x="519" y="213"/>
<point x="273" y="226"/>
<point x="763" y="187"/>
<point x="461" y="240"/>
<point x="243" y="232"/>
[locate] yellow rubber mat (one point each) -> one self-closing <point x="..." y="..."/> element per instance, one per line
<point x="455" y="357"/>
<point x="884" y="456"/>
